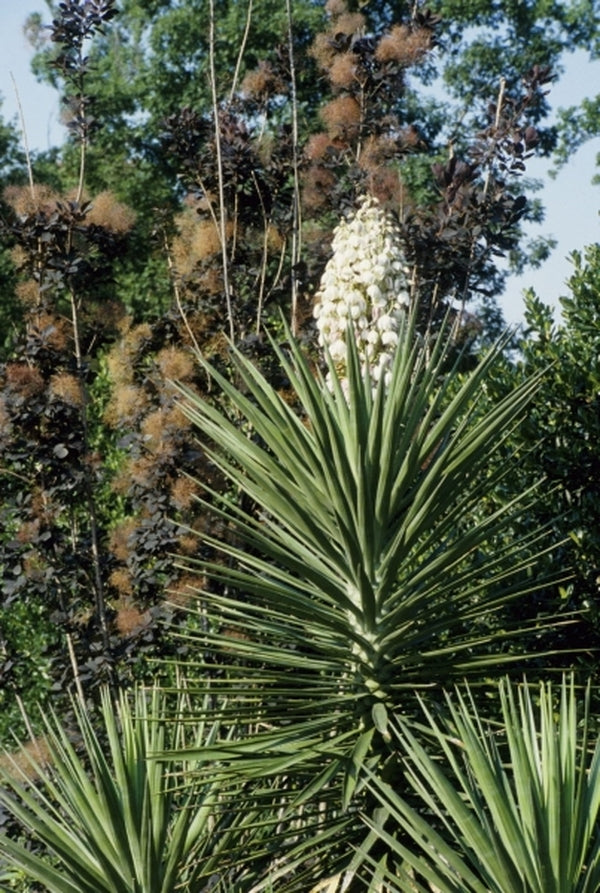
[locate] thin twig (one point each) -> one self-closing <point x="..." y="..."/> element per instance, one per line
<point x="265" y="250"/>
<point x="361" y="123"/>
<point x="222" y="208"/>
<point x="75" y="668"/>
<point x="297" y="218"/>
<point x="85" y="400"/>
<point x="486" y="186"/>
<point x="84" y="126"/>
<point x="30" y="176"/>
<point x="14" y="474"/>
<point x="211" y="207"/>
<point x="263" y="273"/>
<point x="277" y="276"/>
<point x="499" y="104"/>
<point x="24" y="132"/>
<point x="240" y="57"/>
<point x="181" y="311"/>
<point x="90" y="498"/>
<point x="80" y="185"/>
<point x="234" y="231"/>
<point x="27" y="723"/>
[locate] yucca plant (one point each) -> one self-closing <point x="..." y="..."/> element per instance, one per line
<point x="365" y="560"/>
<point x="106" y="816"/>
<point x="506" y="807"/>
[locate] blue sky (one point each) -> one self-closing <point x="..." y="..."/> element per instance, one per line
<point x="572" y="203"/>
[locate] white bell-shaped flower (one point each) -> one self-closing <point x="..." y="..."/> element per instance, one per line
<point x="364" y="284"/>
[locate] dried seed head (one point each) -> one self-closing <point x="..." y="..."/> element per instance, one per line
<point x="183" y="491"/>
<point x="25" y="200"/>
<point x="127" y="403"/>
<point x="66" y="387"/>
<point x="342" y="72"/>
<point x="111" y="214"/>
<point x="336" y="7"/>
<point x="317" y="146"/>
<point x="403" y="45"/>
<point x="342" y="117"/>
<point x="176" y="364"/>
<point x="130" y="619"/>
<point x="183" y="591"/>
<point x="28" y="293"/>
<point x="121" y="537"/>
<point x="24" y="380"/>
<point x="120" y="580"/>
<point x="349" y="23"/>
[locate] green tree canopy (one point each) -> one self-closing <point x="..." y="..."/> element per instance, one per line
<point x="560" y="438"/>
<point x="12" y="170"/>
<point x="155" y="58"/>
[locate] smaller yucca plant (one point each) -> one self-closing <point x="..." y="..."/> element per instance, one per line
<point x="106" y="815"/>
<point x="506" y="808"/>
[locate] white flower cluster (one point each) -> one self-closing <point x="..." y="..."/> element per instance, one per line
<point x="365" y="283"/>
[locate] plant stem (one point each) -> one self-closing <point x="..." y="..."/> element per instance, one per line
<point x="222" y="208"/>
<point x="25" y="141"/>
<point x="238" y="64"/>
<point x="297" y="213"/>
<point x="91" y="504"/>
